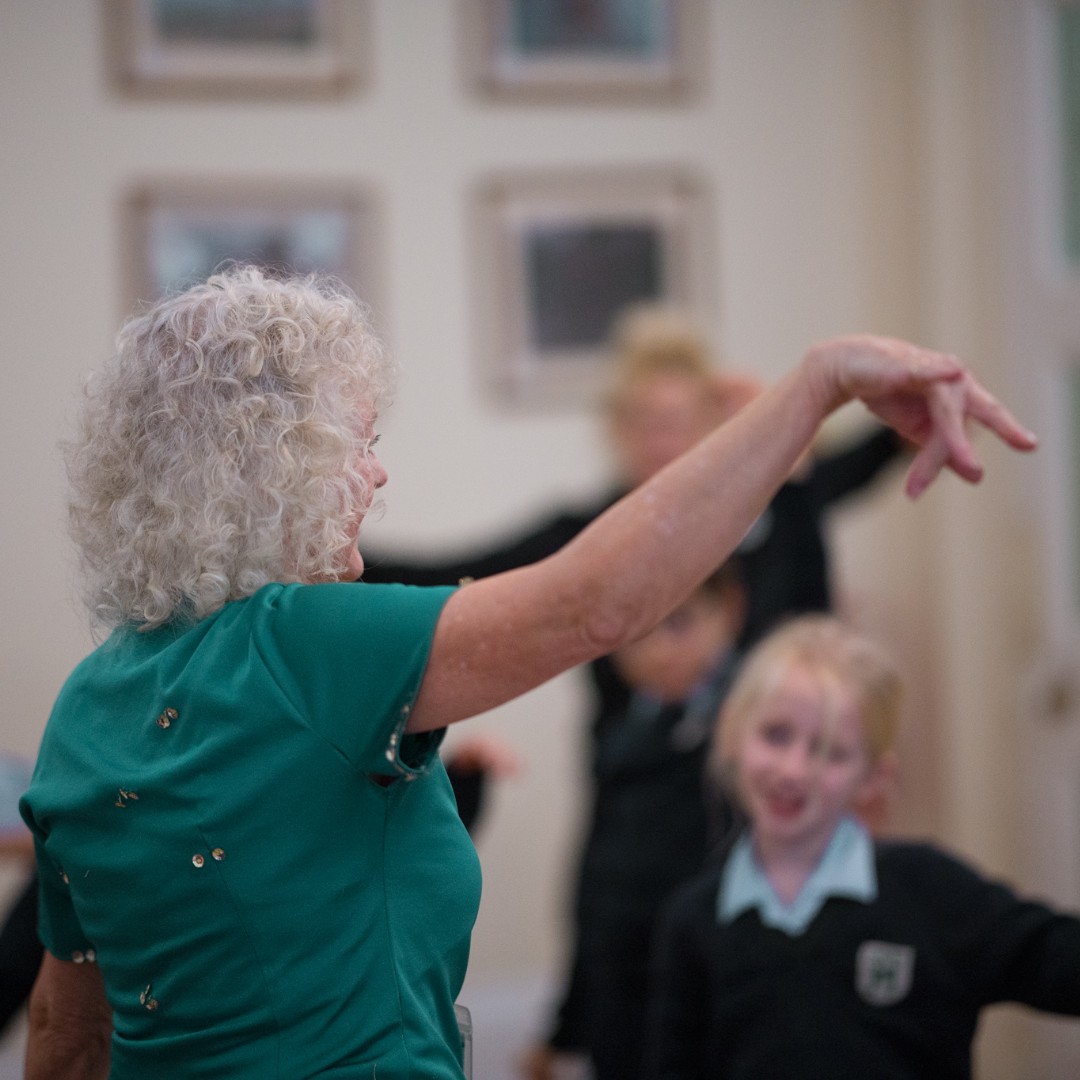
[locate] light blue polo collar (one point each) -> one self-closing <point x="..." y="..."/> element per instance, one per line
<point x="846" y="869"/>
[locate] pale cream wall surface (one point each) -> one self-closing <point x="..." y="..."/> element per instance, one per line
<point x="811" y="134"/>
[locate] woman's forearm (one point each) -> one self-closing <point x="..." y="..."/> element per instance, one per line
<point x="501" y="636"/>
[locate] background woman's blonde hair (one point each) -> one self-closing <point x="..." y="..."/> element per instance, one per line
<point x="829" y="651"/>
<point x="224" y="446"/>
<point x="654" y="339"/>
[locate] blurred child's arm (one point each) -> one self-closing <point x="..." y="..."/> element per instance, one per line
<point x="853" y="467"/>
<point x="1008" y="948"/>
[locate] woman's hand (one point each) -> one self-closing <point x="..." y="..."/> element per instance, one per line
<point x="927" y="396"/>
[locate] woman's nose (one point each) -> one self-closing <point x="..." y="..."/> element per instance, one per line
<point x="379" y="474"/>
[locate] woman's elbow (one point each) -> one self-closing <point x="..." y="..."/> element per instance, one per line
<point x="607" y="627"/>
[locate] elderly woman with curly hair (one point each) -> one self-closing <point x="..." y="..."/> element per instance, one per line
<point x="250" y="861"/>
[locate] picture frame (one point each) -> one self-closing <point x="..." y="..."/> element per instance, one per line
<point x="606" y="51"/>
<point x="256" y="49"/>
<point x="562" y="254"/>
<point x="178" y="232"/>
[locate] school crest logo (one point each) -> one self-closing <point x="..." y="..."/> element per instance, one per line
<point x="884" y="972"/>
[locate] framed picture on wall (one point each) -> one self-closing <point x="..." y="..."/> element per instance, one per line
<point x="178" y="232"/>
<point x="561" y="255"/>
<point x="236" y="48"/>
<point x="613" y="50"/>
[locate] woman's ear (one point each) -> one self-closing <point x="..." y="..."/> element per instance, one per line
<point x="872" y="799"/>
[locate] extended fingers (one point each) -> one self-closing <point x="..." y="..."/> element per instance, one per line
<point x="950" y="405"/>
<point x="975" y="402"/>
<point x="947" y="442"/>
<point x="926" y="465"/>
<point x="984" y="407"/>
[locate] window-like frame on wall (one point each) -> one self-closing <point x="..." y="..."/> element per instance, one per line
<point x="561" y="254"/>
<point x="236" y="48"/>
<point x="178" y="232"/>
<point x="614" y="51"/>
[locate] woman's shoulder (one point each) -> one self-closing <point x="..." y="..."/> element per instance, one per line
<point x="340" y="599"/>
<point x="375" y="626"/>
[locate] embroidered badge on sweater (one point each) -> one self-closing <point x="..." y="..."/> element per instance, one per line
<point x="884" y="972"/>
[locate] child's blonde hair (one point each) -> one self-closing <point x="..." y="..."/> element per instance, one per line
<point x="832" y="653"/>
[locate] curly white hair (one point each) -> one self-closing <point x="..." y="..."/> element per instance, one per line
<point x="225" y="446"/>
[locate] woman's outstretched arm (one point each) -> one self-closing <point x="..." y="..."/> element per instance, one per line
<point x="504" y="635"/>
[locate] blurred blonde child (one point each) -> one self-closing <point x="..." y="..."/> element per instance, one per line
<point x="813" y="951"/>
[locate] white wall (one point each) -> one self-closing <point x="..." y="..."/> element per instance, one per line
<point x="812" y="138"/>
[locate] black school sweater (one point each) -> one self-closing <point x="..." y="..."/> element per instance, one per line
<point x="889" y="990"/>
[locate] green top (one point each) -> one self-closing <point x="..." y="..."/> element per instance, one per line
<point x="219" y="827"/>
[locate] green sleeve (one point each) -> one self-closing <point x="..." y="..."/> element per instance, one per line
<point x="352" y="658"/>
<point x="58" y="925"/>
